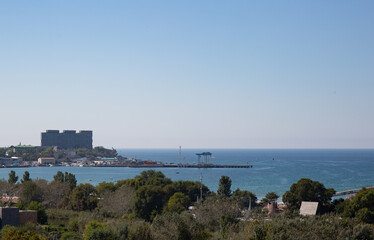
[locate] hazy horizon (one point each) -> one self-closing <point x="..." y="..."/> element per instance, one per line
<point x="213" y="74"/>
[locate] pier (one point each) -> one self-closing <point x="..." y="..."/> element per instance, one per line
<point x="350" y="193"/>
<point x="204" y="160"/>
<point x="160" y="165"/>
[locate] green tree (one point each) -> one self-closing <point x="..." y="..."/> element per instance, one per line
<point x="140" y="230"/>
<point x="272" y="196"/>
<point x="70" y="236"/>
<point x="208" y="213"/>
<point x="244" y="197"/>
<point x="105" y="187"/>
<point x="361" y="206"/>
<point x="73" y="225"/>
<point x="70" y="180"/>
<point x="30" y="191"/>
<point x="98" y="231"/>
<point x="117" y="203"/>
<point x="152" y="177"/>
<point x="42" y="215"/>
<point x="67" y="178"/>
<point x="26" y="177"/>
<point x="12" y="233"/>
<point x="177" y="203"/>
<point x="59" y="177"/>
<point x="83" y="197"/>
<point x="49" y="152"/>
<point x="225" y="223"/>
<point x="2" y="152"/>
<point x="12" y="177"/>
<point x="20" y="205"/>
<point x="148" y="202"/>
<point x="224" y="188"/>
<point x="307" y="190"/>
<point x="269" y="197"/>
<point x="189" y="188"/>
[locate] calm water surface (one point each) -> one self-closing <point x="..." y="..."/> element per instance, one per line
<point x="339" y="169"/>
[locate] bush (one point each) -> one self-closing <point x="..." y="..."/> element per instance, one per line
<point x="98" y="231"/>
<point x="139" y="230"/>
<point x="71" y="236"/>
<point x="361" y="206"/>
<point x="42" y="216"/>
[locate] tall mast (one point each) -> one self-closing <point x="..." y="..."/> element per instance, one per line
<point x="180" y="155"/>
<point x="201" y="186"/>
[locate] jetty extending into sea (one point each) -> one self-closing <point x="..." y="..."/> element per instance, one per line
<point x="172" y="165"/>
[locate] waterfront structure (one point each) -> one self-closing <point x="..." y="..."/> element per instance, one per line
<point x="207" y="158"/>
<point x="46" y="160"/>
<point x="21" y="147"/>
<point x="67" y="139"/>
<point x="11" y="161"/>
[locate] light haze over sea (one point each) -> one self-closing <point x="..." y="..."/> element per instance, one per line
<point x="341" y="169"/>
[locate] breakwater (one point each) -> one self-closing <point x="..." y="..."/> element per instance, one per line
<point x="140" y="165"/>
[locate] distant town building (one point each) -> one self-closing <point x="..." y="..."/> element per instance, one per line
<point x="21" y="147"/>
<point x="46" y="160"/>
<point x="67" y="139"/>
<point x="5" y="199"/>
<point x="11" y="161"/>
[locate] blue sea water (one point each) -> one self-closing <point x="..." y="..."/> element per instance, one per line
<point x="274" y="170"/>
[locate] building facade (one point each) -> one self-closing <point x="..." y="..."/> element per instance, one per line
<point x="46" y="160"/>
<point x="14" y="217"/>
<point x="67" y="139"/>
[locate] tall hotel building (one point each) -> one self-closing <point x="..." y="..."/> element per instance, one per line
<point x="67" y="139"/>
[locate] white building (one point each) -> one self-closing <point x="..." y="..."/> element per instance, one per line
<point x="46" y="160"/>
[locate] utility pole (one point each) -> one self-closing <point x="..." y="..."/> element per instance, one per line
<point x="201" y="186"/>
<point x="180" y="155"/>
<point x="250" y="205"/>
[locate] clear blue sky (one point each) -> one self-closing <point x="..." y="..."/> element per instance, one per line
<point x="201" y="74"/>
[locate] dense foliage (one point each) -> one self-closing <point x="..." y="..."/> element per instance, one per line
<point x="96" y="152"/>
<point x="33" y="153"/>
<point x="307" y="190"/>
<point x="30" y="154"/>
<point x="224" y="187"/>
<point x="361" y="206"/>
<point x="153" y="207"/>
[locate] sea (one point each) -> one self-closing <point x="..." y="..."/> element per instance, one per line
<point x="274" y="170"/>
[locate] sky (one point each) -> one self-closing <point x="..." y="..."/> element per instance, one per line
<point x="196" y="74"/>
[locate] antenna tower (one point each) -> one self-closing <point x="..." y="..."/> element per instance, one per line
<point x="201" y="186"/>
<point x="180" y="155"/>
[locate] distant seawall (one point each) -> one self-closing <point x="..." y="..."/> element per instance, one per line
<point x="174" y="166"/>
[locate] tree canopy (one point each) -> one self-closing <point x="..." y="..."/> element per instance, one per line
<point x="224" y="188"/>
<point x="361" y="206"/>
<point x="307" y="190"/>
<point x="67" y="178"/>
<point x="83" y="197"/>
<point x="177" y="203"/>
<point x="26" y="177"/>
<point x="12" y="177"/>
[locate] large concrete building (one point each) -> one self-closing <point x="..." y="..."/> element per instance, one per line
<point x="9" y="216"/>
<point x="14" y="217"/>
<point x="67" y="139"/>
